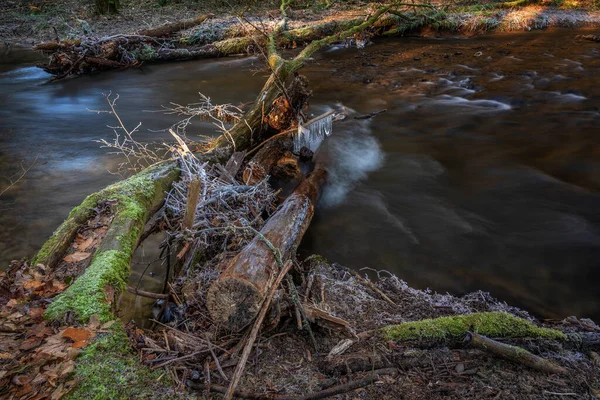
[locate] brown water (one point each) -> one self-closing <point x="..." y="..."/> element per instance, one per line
<point x="483" y="173"/>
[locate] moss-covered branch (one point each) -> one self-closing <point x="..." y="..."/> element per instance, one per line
<point x="493" y="324"/>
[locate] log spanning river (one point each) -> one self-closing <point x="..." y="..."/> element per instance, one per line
<point x="483" y="173"/>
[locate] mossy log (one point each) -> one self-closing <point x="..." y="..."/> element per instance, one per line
<point x="137" y="198"/>
<point x="452" y="330"/>
<point x="494" y="324"/>
<point x="235" y="298"/>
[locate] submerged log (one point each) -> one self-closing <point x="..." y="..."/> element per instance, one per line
<point x="236" y="297"/>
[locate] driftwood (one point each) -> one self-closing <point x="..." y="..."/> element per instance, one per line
<point x="512" y="353"/>
<point x="235" y="298"/>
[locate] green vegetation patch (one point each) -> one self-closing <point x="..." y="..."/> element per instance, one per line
<point x="107" y="369"/>
<point x="109" y="268"/>
<point x="493" y="324"/>
<point x="87" y="296"/>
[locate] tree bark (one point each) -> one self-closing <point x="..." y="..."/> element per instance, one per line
<point x="265" y="159"/>
<point x="236" y="297"/>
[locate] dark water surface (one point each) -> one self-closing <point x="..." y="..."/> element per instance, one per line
<point x="484" y="173"/>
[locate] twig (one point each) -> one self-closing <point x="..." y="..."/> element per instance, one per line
<point x="372" y="287"/>
<point x="299" y="309"/>
<point x="24" y="171"/>
<point x="239" y="370"/>
<point x="217" y="363"/>
<point x="150" y="295"/>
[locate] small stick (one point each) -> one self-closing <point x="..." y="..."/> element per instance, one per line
<point x="237" y="375"/>
<point x="303" y="322"/>
<point x="217" y="363"/>
<point x="192" y="202"/>
<point x="512" y="353"/>
<point x="371" y="286"/>
<point x="150" y="295"/>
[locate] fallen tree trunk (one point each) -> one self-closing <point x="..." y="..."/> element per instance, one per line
<point x="145" y="190"/>
<point x="236" y="297"/>
<point x="136" y="199"/>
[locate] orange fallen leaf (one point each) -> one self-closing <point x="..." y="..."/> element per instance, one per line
<point x="94" y="322"/>
<point x="76" y="257"/>
<point x="78" y="336"/>
<point x="36" y="313"/>
<point x="34" y="8"/>
<point x="83" y="244"/>
<point x="33" y="284"/>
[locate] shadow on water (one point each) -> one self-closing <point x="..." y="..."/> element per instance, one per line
<point x="483" y="173"/>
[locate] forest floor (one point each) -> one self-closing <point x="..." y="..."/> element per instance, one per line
<point x="28" y="22"/>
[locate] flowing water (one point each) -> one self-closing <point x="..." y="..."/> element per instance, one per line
<point x="483" y="173"/>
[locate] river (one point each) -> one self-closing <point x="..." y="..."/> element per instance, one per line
<point x="483" y="173"/>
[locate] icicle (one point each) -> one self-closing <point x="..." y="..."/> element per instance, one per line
<point x="313" y="132"/>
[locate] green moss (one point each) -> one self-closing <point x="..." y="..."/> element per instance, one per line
<point x="110" y="266"/>
<point x="132" y="195"/>
<point x="494" y="324"/>
<point x="107" y="369"/>
<point x="86" y="296"/>
<point x="146" y="53"/>
<point x="237" y="45"/>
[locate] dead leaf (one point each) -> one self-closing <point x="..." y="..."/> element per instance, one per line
<point x="36" y="313"/>
<point x="78" y="336"/>
<point x="11" y="303"/>
<point x="108" y="324"/>
<point x="93" y="323"/>
<point x="76" y="257"/>
<point x="30" y="343"/>
<point x="109" y="292"/>
<point x="84" y="244"/>
<point x="73" y="353"/>
<point x="34" y="284"/>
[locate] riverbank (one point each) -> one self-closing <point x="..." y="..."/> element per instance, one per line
<point x="25" y="24"/>
<point x="362" y="345"/>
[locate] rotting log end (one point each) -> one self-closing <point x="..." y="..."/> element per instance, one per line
<point x="233" y="303"/>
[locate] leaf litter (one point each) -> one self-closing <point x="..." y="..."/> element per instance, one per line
<point x="37" y="357"/>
